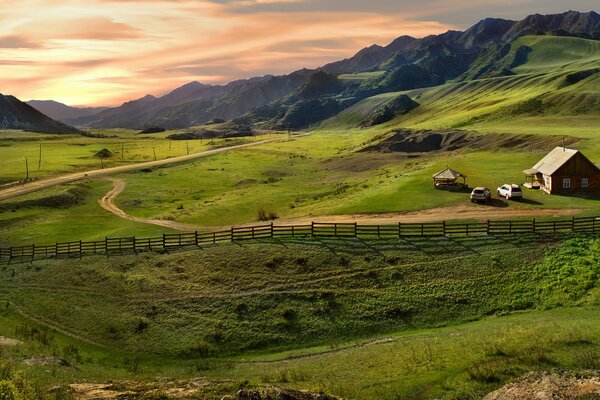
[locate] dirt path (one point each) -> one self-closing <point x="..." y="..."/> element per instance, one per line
<point x="460" y="212"/>
<point x="58" y="180"/>
<point x="107" y="202"/>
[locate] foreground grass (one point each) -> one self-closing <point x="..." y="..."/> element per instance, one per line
<point x="306" y="315"/>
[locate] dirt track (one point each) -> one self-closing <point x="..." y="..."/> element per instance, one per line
<point x="460" y="212"/>
<point x="46" y="183"/>
<point x="107" y="203"/>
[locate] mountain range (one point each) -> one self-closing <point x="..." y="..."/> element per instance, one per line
<point x="15" y="114"/>
<point x="306" y="97"/>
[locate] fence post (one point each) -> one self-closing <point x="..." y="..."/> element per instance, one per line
<point x="214" y="237"/>
<point x="487" y="227"/>
<point x="10" y="253"/>
<point x="106" y="245"/>
<point x="510" y="227"/>
<point x="399" y="229"/>
<point x="422" y="229"/>
<point x="231" y="233"/>
<point x="444" y="228"/>
<point x="312" y="229"/>
<point x="573" y="224"/>
<point x="80" y="249"/>
<point x="335" y="230"/>
<point x="32" y="252"/>
<point x="272" y="229"/>
<point x="196" y="238"/>
<point x="533" y="227"/>
<point x="467" y="228"/>
<point x="355" y="229"/>
<point x="594" y="224"/>
<point x="164" y="244"/>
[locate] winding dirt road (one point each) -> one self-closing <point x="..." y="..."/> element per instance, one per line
<point x="77" y="176"/>
<point x="107" y="202"/>
<point x="460" y="212"/>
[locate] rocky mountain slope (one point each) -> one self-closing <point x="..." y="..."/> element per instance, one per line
<point x="307" y="97"/>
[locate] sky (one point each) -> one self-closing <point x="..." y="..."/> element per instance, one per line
<point x="105" y="52"/>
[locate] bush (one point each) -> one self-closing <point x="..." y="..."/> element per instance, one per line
<point x="264" y="215"/>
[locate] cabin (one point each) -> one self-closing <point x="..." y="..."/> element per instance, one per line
<point x="564" y="170"/>
<point x="449" y="178"/>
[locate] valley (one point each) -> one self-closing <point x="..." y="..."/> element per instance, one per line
<point x="357" y="140"/>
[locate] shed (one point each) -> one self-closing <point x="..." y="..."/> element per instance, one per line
<point x="564" y="170"/>
<point x="449" y="178"/>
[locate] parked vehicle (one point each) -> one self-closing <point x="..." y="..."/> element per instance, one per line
<point x="481" y="194"/>
<point x="510" y="192"/>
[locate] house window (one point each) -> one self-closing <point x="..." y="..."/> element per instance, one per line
<point x="566" y="183"/>
<point x="585" y="182"/>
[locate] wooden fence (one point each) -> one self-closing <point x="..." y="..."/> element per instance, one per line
<point x="166" y="242"/>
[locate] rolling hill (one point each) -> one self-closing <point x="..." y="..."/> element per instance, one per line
<point x="559" y="78"/>
<point x="306" y="97"/>
<point x="15" y="114"/>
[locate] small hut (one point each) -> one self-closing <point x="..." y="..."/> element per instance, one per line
<point x="449" y="178"/>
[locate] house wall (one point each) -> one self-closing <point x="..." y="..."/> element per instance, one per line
<point x="576" y="169"/>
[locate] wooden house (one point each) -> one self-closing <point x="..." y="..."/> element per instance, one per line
<point x="564" y="171"/>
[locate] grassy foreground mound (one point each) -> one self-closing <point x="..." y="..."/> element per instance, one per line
<point x="271" y="296"/>
<point x="350" y="317"/>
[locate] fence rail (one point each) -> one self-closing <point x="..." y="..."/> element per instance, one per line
<point x="132" y="244"/>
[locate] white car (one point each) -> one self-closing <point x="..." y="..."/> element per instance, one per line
<point x="480" y="194"/>
<point x="510" y="191"/>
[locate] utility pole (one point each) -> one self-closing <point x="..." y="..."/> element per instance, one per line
<point x="26" y="170"/>
<point x="40" y="158"/>
<point x="154" y="151"/>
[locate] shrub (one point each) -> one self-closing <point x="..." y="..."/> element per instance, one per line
<point x="264" y="215"/>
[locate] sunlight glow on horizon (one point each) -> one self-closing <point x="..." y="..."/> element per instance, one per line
<point x="103" y="52"/>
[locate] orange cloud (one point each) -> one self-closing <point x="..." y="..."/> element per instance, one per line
<point x="106" y="51"/>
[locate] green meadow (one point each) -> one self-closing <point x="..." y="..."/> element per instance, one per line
<point x="358" y="319"/>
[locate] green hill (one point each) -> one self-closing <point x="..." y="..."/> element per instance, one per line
<point x="560" y="79"/>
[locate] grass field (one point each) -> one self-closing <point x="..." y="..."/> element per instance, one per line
<point x="249" y="317"/>
<point x="70" y="153"/>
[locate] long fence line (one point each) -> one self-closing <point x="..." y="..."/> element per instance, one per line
<point x="166" y="242"/>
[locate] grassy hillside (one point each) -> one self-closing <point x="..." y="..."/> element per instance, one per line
<point x="559" y="80"/>
<point x="240" y="312"/>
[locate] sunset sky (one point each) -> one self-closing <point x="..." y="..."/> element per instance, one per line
<point x="104" y="52"/>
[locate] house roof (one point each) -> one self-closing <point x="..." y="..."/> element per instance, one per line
<point x="448" y="174"/>
<point x="554" y="160"/>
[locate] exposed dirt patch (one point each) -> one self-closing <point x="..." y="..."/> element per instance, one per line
<point x="427" y="141"/>
<point x="246" y="182"/>
<point x="550" y="386"/>
<point x="47" y="360"/>
<point x="193" y="389"/>
<point x="4" y="341"/>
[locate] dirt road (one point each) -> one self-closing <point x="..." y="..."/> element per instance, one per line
<point x="107" y="202"/>
<point x="49" y="182"/>
<point x="460" y="212"/>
